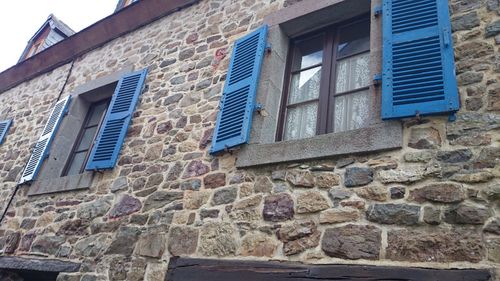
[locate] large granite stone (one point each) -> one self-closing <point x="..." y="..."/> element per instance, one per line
<point x="358" y="176"/>
<point x="47" y="244"/>
<point x="311" y="202"/>
<point x="440" y="245"/>
<point x="441" y="192"/>
<point x="160" y="199"/>
<point x="124" y="241"/>
<point x="126" y="205"/>
<point x="258" y="245"/>
<point x="217" y="239"/>
<point x="278" y="207"/>
<point x="401" y="214"/>
<point x="151" y="244"/>
<point x="467" y="214"/>
<point x="352" y="242"/>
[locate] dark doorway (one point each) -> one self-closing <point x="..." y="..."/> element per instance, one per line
<point x="27" y="275"/>
<point x="26" y="269"/>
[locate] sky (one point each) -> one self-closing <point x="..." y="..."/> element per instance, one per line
<point x="20" y="19"/>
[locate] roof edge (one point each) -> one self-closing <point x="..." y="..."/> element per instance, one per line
<point x="90" y="38"/>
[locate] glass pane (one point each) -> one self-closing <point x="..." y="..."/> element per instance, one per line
<point x="353" y="73"/>
<point x="301" y="121"/>
<point x="96" y="114"/>
<point x="308" y="53"/>
<point x="352" y="111"/>
<point x="354" y="38"/>
<point x="77" y="163"/>
<point x="87" y="138"/>
<point x="305" y="85"/>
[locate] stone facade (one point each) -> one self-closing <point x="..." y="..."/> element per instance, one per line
<point x="432" y="203"/>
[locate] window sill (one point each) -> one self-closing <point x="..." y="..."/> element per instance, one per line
<point x="378" y="137"/>
<point x="61" y="184"/>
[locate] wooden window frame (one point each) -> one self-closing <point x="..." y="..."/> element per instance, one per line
<point x="85" y="126"/>
<point x="327" y="95"/>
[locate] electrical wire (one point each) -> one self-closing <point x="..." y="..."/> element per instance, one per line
<point x="16" y="188"/>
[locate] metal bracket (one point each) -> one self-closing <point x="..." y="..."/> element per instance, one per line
<point x="268" y="48"/>
<point x="230" y="150"/>
<point x="258" y="107"/>
<point x="377" y="79"/>
<point x="452" y="117"/>
<point x="377" y="11"/>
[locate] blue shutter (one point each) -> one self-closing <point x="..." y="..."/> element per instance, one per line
<point x="418" y="63"/>
<point x="238" y="99"/>
<point x="4" y="127"/>
<point x="114" y="128"/>
<point x="42" y="147"/>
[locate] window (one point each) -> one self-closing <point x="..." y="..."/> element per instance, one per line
<point x="325" y="88"/>
<point x="327" y="82"/>
<point x="86" y="137"/>
<point x="4" y="128"/>
<point x="94" y="121"/>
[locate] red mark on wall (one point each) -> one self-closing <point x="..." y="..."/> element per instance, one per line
<point x="220" y="54"/>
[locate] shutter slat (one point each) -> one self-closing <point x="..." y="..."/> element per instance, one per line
<point x="113" y="131"/>
<point x="238" y="99"/>
<point x="4" y="128"/>
<point x="42" y="147"/>
<point x="418" y="66"/>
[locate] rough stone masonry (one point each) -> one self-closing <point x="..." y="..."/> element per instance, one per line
<point x="433" y="203"/>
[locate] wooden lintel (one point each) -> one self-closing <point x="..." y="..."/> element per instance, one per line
<point x="45" y="265"/>
<point x="187" y="269"/>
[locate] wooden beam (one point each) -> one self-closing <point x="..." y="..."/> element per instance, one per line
<point x="116" y="25"/>
<point x="187" y="269"/>
<point x="45" y="265"/>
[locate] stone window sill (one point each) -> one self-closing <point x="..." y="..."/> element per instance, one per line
<point x="378" y="137"/>
<point x="61" y="184"/>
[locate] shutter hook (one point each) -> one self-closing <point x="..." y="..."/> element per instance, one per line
<point x="226" y="149"/>
<point x="377" y="79"/>
<point x="418" y="117"/>
<point x="377" y="11"/>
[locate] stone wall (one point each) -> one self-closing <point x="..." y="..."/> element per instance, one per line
<point x="433" y="203"/>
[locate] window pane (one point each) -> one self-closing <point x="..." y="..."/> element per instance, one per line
<point x="354" y="38"/>
<point x="353" y="73"/>
<point x="307" y="53"/>
<point x="301" y="121"/>
<point x="96" y="114"/>
<point x="77" y="163"/>
<point x="87" y="138"/>
<point x="305" y="85"/>
<point x="352" y="111"/>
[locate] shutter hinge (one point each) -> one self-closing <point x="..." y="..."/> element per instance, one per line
<point x="377" y="79"/>
<point x="268" y="48"/>
<point x="452" y="117"/>
<point x="377" y="11"/>
<point x="446" y="37"/>
<point x="231" y="150"/>
<point x="260" y="110"/>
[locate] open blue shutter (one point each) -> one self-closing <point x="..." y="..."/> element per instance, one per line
<point x="42" y="147"/>
<point x="238" y="99"/>
<point x="418" y="64"/>
<point x="114" y="128"/>
<point x="4" y="127"/>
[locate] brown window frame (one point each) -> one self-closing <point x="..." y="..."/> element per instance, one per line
<point x="79" y="138"/>
<point x="327" y="94"/>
